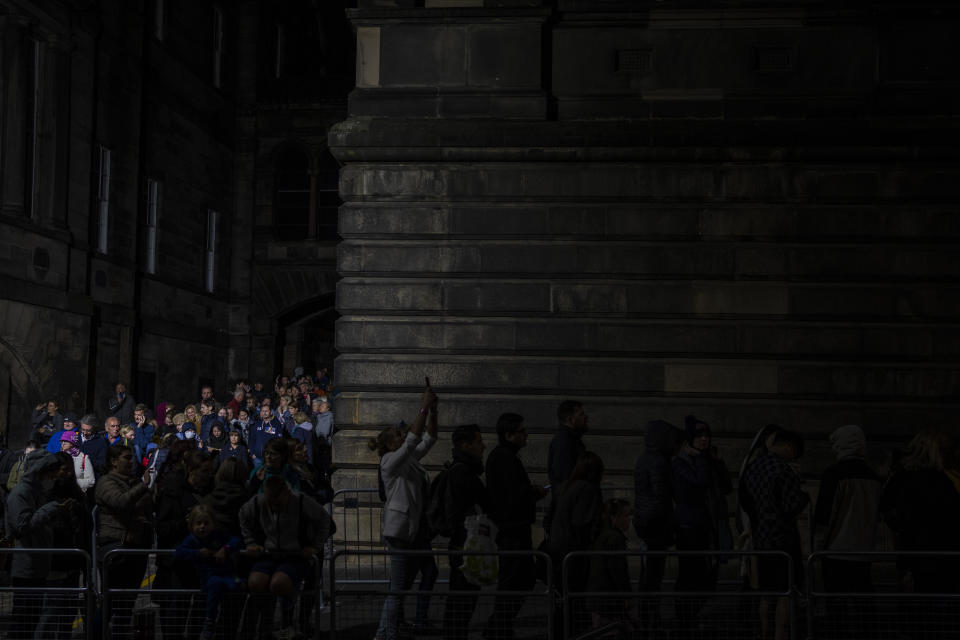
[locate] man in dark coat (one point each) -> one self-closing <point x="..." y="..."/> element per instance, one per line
<point x="513" y="502"/>
<point x="653" y="506"/>
<point x="567" y="444"/>
<point x="467" y="493"/>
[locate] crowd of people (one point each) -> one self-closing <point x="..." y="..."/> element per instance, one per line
<point x="209" y="480"/>
<point x="250" y="475"/>
<point x="682" y="500"/>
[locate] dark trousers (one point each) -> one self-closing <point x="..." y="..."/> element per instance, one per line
<point x="651" y="577"/>
<point x="694" y="573"/>
<point x="848" y="617"/>
<point x="516" y="573"/>
<point x="460" y="604"/>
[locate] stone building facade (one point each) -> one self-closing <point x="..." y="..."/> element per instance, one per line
<point x="140" y="233"/>
<point x="747" y="211"/>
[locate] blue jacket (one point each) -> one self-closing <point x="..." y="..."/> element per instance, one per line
<point x="240" y="453"/>
<point x="53" y="446"/>
<point x="206" y="567"/>
<point x="261" y="432"/>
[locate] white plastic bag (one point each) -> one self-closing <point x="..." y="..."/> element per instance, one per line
<point x="481" y="536"/>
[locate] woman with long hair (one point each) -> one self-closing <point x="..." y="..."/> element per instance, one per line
<point x="405" y="489"/>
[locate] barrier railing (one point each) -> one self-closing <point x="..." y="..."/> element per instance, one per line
<point x="677" y="594"/>
<point x="137" y="608"/>
<point x="452" y="610"/>
<point x="883" y="595"/>
<point x="61" y="604"/>
<point x="358" y="514"/>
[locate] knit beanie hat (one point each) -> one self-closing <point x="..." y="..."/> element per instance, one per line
<point x="693" y="425"/>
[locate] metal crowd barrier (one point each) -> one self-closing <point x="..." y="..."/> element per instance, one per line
<point x="136" y="606"/>
<point x="60" y="606"/>
<point x="901" y="595"/>
<point x="356" y="607"/>
<point x="678" y="606"/>
<point x="358" y="514"/>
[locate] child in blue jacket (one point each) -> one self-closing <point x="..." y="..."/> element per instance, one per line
<point x="209" y="550"/>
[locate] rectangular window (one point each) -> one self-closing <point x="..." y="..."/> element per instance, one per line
<point x="210" y="249"/>
<point x="103" y="200"/>
<point x="217" y="45"/>
<point x="32" y="190"/>
<point x="153" y="210"/>
<point x="278" y="54"/>
<point x="159" y="20"/>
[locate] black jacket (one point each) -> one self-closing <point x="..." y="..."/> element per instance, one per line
<point x="467" y="493"/>
<point x="653" y="487"/>
<point x="513" y="500"/>
<point x="565" y="448"/>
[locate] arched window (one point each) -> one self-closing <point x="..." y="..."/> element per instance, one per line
<point x="291" y="203"/>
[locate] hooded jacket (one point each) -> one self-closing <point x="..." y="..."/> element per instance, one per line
<point x="848" y="502"/>
<point x="653" y="489"/>
<point x="30" y="514"/>
<point x="303" y="522"/>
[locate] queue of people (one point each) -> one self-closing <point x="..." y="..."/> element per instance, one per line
<point x="251" y="475"/>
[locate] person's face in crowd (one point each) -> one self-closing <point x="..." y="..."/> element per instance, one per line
<point x="168" y="418"/>
<point x="622" y="520"/>
<point x="190" y="413"/>
<point x="304" y="387"/>
<point x="205" y="409"/>
<point x="216" y="431"/>
<point x="258" y="386"/>
<point x="701" y="440"/>
<point x="284" y="380"/>
<point x="201" y="527"/>
<point x="251" y="402"/>
<point x="86" y="430"/>
<point x="300" y="453"/>
<point x="244" y="415"/>
<point x="127" y="433"/>
<point x="200" y="476"/>
<point x="121" y="390"/>
<point x="66" y="445"/>
<point x="123" y="464"/>
<point x="69" y="425"/>
<point x="324" y="407"/>
<point x="578" y="421"/>
<point x="223" y="414"/>
<point x="272" y="458"/>
<point x="266" y="402"/>
<point x="52" y="407"/>
<point x="234" y="437"/>
<point x="475" y="447"/>
<point x="138" y="416"/>
<point x="65" y="472"/>
<point x="265" y="413"/>
<point x="518" y="437"/>
<point x="206" y="393"/>
<point x="395" y="440"/>
<point x="112" y="427"/>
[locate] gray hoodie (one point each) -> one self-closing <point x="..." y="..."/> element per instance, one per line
<point x="30" y="513"/>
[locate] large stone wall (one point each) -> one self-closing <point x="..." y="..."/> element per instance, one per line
<point x="694" y="210"/>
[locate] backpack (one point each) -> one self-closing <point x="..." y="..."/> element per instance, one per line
<point x="440" y="504"/>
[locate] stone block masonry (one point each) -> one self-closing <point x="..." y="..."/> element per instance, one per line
<point x="730" y="223"/>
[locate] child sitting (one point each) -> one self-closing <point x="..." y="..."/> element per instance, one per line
<point x="209" y="549"/>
